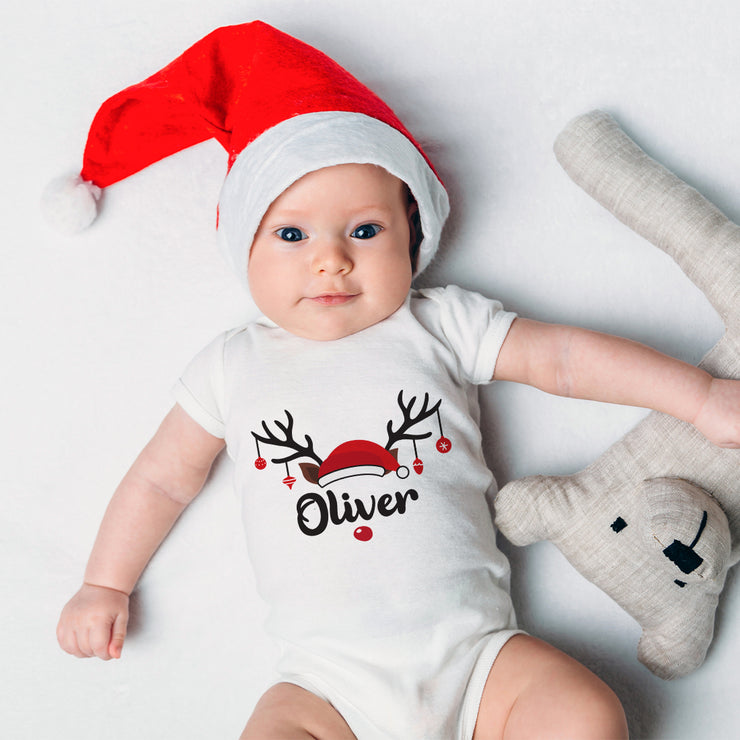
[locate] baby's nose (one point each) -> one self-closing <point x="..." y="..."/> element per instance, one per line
<point x="332" y="257"/>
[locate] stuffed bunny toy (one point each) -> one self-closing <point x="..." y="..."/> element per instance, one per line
<point x="655" y="521"/>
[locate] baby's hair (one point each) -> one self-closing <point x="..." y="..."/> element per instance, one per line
<point x="417" y="235"/>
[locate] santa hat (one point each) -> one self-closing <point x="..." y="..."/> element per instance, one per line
<point x="279" y="107"/>
<point x="359" y="457"/>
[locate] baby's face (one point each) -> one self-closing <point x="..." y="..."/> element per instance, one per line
<point x="331" y="255"/>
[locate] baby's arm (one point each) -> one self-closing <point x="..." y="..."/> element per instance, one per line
<point x="583" y="364"/>
<point x="163" y="480"/>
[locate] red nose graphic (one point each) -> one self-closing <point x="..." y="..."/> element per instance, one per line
<point x="363" y="534"/>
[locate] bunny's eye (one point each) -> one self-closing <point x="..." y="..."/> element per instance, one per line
<point x="618" y="524"/>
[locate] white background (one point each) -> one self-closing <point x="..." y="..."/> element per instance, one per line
<point x="96" y="328"/>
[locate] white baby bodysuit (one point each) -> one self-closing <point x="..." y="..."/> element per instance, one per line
<point x="363" y="487"/>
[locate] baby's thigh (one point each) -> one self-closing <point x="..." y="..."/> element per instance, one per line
<point x="535" y="690"/>
<point x="289" y="711"/>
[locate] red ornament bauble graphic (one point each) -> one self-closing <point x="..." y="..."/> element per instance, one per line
<point x="418" y="465"/>
<point x="363" y="534"/>
<point x="444" y="445"/>
<point x="260" y="463"/>
<point x="289" y="480"/>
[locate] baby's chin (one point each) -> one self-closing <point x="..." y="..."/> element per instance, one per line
<point x="330" y="334"/>
<point x="337" y="325"/>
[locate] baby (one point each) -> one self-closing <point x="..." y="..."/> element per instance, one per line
<point x="350" y="411"/>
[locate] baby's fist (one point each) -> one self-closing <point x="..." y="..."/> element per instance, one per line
<point x="94" y="622"/>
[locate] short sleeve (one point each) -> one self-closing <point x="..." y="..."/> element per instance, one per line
<point x="474" y="327"/>
<point x="200" y="389"/>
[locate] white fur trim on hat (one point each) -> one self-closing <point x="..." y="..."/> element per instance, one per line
<point x="309" y="142"/>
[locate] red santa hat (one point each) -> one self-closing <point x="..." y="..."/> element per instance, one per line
<point x="279" y="107"/>
<point x="359" y="457"/>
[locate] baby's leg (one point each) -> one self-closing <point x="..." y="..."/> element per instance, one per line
<point x="288" y="712"/>
<point x="536" y="691"/>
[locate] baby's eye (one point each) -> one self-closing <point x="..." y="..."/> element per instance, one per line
<point x="366" y="231"/>
<point x="290" y="234"/>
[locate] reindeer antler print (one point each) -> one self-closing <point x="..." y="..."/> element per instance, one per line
<point x="289" y="441"/>
<point x="409" y="420"/>
<point x="355" y="456"/>
<point x="351" y="459"/>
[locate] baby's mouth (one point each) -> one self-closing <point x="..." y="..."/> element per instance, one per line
<point x="333" y="299"/>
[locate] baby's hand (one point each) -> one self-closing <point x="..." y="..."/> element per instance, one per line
<point x="93" y="623"/>
<point x="719" y="418"/>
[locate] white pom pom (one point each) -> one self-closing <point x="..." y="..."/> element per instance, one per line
<point x="70" y="203"/>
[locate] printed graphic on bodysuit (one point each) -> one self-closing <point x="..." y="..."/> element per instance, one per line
<point x="316" y="510"/>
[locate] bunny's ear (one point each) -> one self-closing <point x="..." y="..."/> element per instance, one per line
<point x="600" y="157"/>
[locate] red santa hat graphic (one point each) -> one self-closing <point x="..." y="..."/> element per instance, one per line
<point x="279" y="107"/>
<point x="359" y="457"/>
